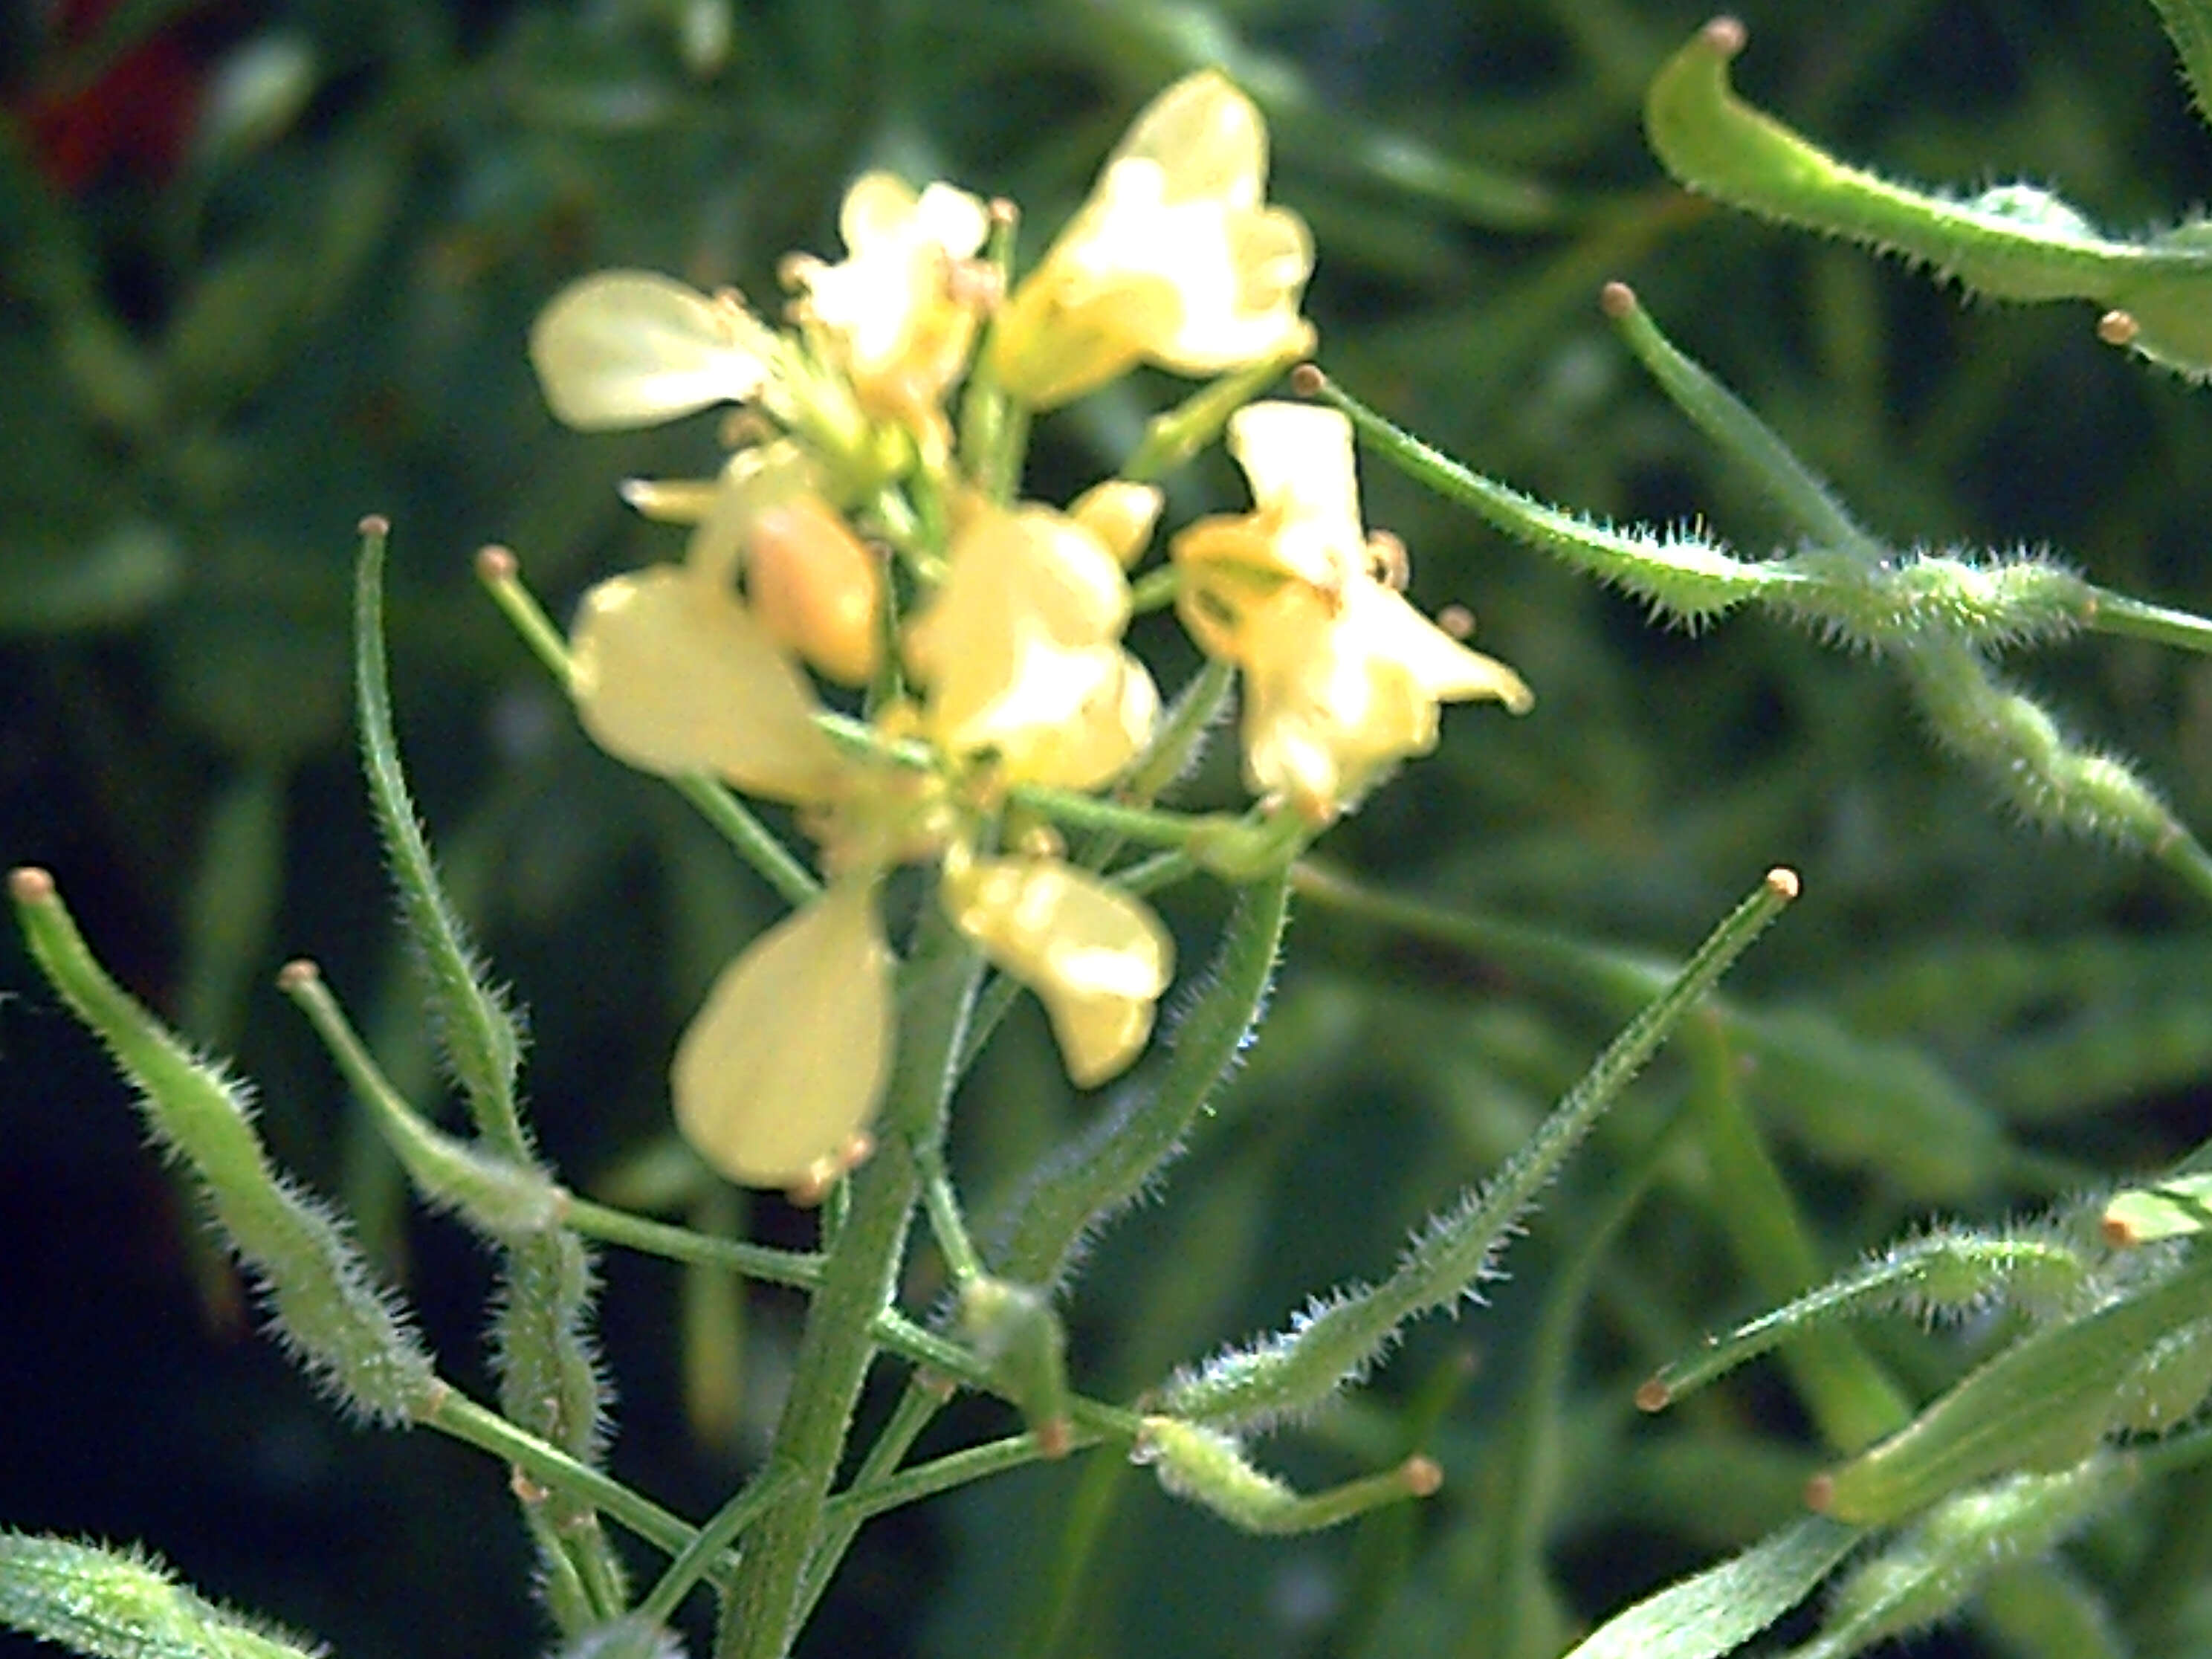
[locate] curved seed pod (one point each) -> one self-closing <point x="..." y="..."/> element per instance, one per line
<point x="2012" y="242"/>
<point x="346" y="1330"/>
<point x="115" y="1605"/>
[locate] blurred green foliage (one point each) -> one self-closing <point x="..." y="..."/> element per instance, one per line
<point x="217" y="352"/>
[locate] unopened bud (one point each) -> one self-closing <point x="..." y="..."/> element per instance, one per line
<point x="1120" y="514"/>
<point x="816" y="587"/>
<point x="1016" y="1331"/>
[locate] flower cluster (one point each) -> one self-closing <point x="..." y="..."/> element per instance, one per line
<point x="859" y="536"/>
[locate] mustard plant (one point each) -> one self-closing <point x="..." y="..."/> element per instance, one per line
<point x="905" y="693"/>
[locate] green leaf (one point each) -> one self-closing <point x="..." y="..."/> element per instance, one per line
<point x="1724" y="1606"/>
<point x="2189" y="26"/>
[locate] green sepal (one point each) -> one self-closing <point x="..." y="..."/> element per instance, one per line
<point x="1015" y="1330"/>
<point x="1209" y="1468"/>
<point x="2046" y="1402"/>
<point x="117" y="1605"/>
<point x="345" y="1329"/>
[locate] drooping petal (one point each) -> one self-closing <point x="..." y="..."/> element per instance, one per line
<point x="1338" y="690"/>
<point x="672" y="674"/>
<point x="1444" y="668"/>
<point x="631" y="348"/>
<point x="787" y="1059"/>
<point x="1097" y="958"/>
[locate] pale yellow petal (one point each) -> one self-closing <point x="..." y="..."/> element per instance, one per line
<point x="671" y="501"/>
<point x="900" y="320"/>
<point x="1071" y="718"/>
<point x="1097" y="958"/>
<point x="753" y="480"/>
<point x="1174" y="259"/>
<point x="671" y="674"/>
<point x="630" y="348"/>
<point x="1443" y="667"/>
<point x="1120" y="514"/>
<point x="787" y="1057"/>
<point x="957" y="221"/>
<point x="1207" y="137"/>
<point x="1298" y="459"/>
<point x="1339" y="691"/>
<point x="1020" y="652"/>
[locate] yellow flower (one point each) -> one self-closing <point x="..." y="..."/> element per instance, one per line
<point x="785" y="1062"/>
<point x="1020" y="650"/>
<point x="1342" y="676"/>
<point x="672" y="673"/>
<point x="1174" y="260"/>
<point x="1097" y="958"/>
<point x="630" y="348"/>
<point x="810" y="581"/>
<point x="899" y="311"/>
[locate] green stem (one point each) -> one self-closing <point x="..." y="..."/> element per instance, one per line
<point x="1140" y="823"/>
<point x="916" y="1409"/>
<point x="793" y="1267"/>
<point x="857" y="1284"/>
<point x="1155" y="590"/>
<point x="943" y="1473"/>
<point x="946" y="1222"/>
<point x="1174" y="436"/>
<point x="702" y="1556"/>
<point x="455" y="1414"/>
<point x="731" y="817"/>
<point x="1850" y="1398"/>
<point x="2115" y="613"/>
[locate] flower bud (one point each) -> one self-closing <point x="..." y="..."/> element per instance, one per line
<point x="816" y="587"/>
<point x="1120" y="514"/>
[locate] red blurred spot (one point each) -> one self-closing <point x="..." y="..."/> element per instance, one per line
<point x="137" y="115"/>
